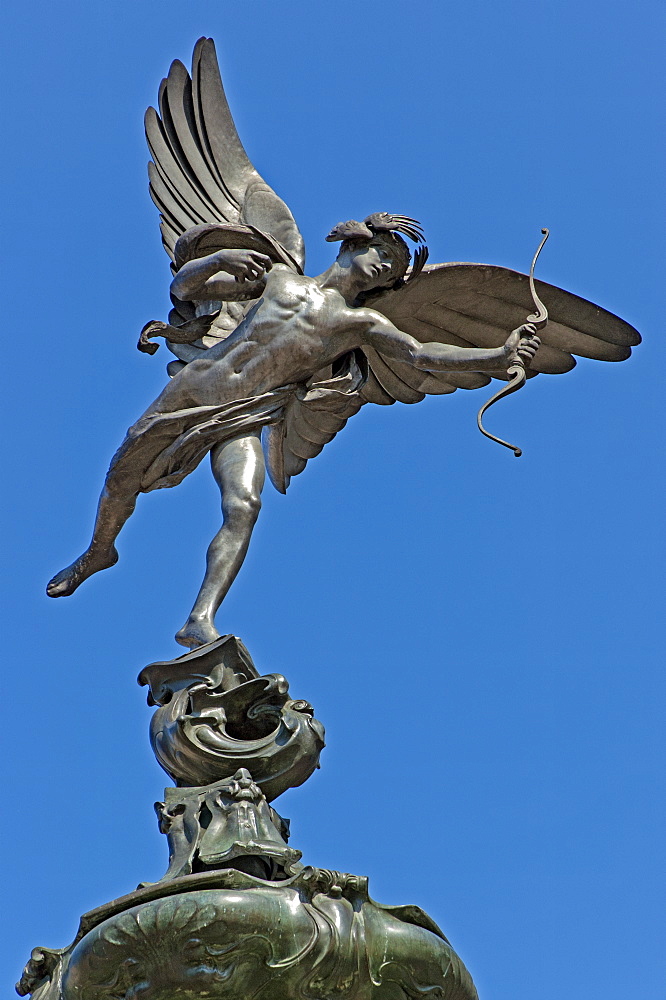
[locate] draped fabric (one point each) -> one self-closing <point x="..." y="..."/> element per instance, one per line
<point x="161" y="449"/>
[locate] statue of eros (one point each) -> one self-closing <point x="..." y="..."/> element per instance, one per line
<point x="272" y="363"/>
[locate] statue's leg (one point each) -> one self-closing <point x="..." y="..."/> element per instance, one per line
<point x="123" y="483"/>
<point x="116" y="503"/>
<point x="112" y="512"/>
<point x="239" y="471"/>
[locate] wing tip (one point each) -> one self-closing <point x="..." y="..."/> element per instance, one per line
<point x="201" y="43"/>
<point x="204" y="48"/>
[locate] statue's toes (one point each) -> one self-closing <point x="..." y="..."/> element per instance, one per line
<point x="60" y="585"/>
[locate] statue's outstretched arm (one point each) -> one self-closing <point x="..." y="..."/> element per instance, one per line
<point x="223" y="276"/>
<point x="388" y="340"/>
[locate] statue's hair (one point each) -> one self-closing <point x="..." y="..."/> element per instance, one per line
<point x="392" y="243"/>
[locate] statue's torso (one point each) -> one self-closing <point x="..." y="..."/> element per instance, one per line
<point x="295" y="329"/>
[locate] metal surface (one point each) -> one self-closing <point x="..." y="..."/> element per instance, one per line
<point x="317" y="935"/>
<point x="260" y="345"/>
<point x="216" y="714"/>
<point x="299" y="327"/>
<point x="236" y="914"/>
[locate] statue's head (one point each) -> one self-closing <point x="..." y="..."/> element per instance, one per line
<point x="375" y="249"/>
<point x="384" y="258"/>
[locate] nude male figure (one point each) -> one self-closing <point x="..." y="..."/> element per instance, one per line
<point x="298" y="326"/>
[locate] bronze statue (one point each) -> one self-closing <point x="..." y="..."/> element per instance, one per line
<point x="272" y="363"/>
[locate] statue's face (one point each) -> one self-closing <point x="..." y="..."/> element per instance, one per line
<point x="372" y="263"/>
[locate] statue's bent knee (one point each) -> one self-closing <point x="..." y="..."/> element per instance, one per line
<point x="243" y="507"/>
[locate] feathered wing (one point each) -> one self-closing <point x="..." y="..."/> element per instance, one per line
<point x="312" y="418"/>
<point x="200" y="172"/>
<point x="478" y="305"/>
<point x="467" y="305"/>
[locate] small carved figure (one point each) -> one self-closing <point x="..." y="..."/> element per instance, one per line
<point x="266" y="352"/>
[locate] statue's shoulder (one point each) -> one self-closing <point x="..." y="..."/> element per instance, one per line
<point x="284" y="275"/>
<point x="284" y="283"/>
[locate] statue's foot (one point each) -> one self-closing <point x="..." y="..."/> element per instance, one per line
<point x="67" y="580"/>
<point x="197" y="632"/>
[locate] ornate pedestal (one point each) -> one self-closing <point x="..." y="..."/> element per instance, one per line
<point x="236" y="915"/>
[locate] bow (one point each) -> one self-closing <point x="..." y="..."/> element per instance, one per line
<point x="516" y="370"/>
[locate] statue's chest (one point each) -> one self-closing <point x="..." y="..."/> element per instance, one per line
<point x="294" y="311"/>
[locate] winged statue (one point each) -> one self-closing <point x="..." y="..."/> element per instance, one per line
<point x="270" y="363"/>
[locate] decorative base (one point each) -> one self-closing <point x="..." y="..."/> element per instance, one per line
<point x="216" y="714"/>
<point x="225" y="825"/>
<point x="237" y="915"/>
<point x="227" y="936"/>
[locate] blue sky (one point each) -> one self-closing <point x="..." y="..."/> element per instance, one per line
<point x="480" y="636"/>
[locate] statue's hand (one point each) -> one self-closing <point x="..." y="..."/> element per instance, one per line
<point x="243" y="264"/>
<point x="522" y="344"/>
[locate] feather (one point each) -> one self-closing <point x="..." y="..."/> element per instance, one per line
<point x="200" y="172"/>
<point x="374" y="392"/>
<point x="389" y="380"/>
<point x="420" y="257"/>
<point x="477" y="305"/>
<point x="293" y="466"/>
<point x="486" y="334"/>
<point x="348" y="231"/>
<point x="178" y="122"/>
<point x="385" y="222"/>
